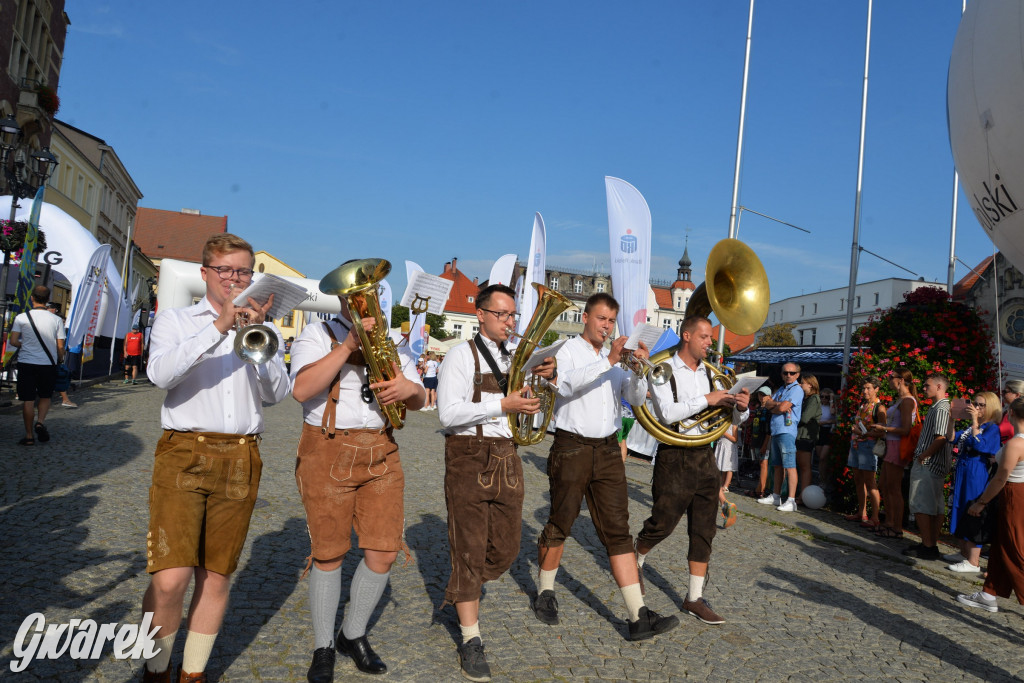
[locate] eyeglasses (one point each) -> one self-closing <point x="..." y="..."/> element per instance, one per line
<point x="978" y="405"/>
<point x="502" y="316"/>
<point x="225" y="272"/>
<point x="787" y="372"/>
<point x="1009" y="391"/>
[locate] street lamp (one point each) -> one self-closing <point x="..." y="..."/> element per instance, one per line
<point x="20" y="183"/>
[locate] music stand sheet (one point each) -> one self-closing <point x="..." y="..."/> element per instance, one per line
<point x="541" y="353"/>
<point x="646" y="333"/>
<point x="286" y="294"/>
<point x="749" y="383"/>
<point x="429" y="289"/>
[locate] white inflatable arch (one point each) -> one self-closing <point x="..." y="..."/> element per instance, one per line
<point x="180" y="282"/>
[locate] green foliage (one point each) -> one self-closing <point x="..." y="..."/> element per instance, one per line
<point x="400" y="314"/>
<point x="780" y="334"/>
<point x="926" y="334"/>
<point x="550" y="337"/>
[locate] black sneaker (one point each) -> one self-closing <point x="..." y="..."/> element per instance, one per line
<point x="650" y="624"/>
<point x="472" y="660"/>
<point x="912" y="550"/>
<point x="322" y="668"/>
<point x="926" y="552"/>
<point x="546" y="607"/>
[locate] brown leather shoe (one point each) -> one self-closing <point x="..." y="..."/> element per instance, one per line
<point x="184" y="677"/>
<point x="701" y="609"/>
<point x="151" y="677"/>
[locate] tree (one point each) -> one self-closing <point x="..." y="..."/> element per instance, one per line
<point x="550" y="337"/>
<point x="400" y="314"/>
<point x="779" y="334"/>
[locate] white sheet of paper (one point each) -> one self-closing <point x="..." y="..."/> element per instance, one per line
<point x="542" y="352"/>
<point x="432" y="289"/>
<point x="646" y="333"/>
<point x="287" y="295"/>
<point x="749" y="383"/>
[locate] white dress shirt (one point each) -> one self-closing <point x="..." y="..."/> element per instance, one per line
<point x="590" y="390"/>
<point x="352" y="411"/>
<point x="209" y="388"/>
<point x="455" y="409"/>
<point x="692" y="386"/>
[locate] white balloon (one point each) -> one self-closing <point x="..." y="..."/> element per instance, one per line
<point x="985" y="110"/>
<point x="813" y="497"/>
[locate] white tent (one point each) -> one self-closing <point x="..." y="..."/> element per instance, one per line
<point x="68" y="248"/>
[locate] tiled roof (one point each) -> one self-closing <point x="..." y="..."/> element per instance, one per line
<point x="463" y="294"/>
<point x="684" y="284"/>
<point x="961" y="288"/>
<point x="736" y="342"/>
<point x="663" y="295"/>
<point x="172" y="234"/>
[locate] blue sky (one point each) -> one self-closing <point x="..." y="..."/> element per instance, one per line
<point x="425" y="130"/>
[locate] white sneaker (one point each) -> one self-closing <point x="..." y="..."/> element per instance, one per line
<point x="964" y="567"/>
<point x="770" y="499"/>
<point x="788" y="506"/>
<point x="980" y="599"/>
<point x="953" y="557"/>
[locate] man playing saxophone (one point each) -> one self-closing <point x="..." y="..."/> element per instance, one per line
<point x="586" y="462"/>
<point x="687" y="479"/>
<point x="483" y="480"/>
<point x="349" y="476"/>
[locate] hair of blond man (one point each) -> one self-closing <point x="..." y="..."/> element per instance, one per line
<point x="225" y="243"/>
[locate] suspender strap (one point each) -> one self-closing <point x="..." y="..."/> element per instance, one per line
<point x="333" y="393"/>
<point x="477" y="381"/>
<point x="501" y="378"/>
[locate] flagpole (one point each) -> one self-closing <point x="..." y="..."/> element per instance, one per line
<point x="739" y="160"/>
<point x="855" y="247"/>
<point x="122" y="294"/>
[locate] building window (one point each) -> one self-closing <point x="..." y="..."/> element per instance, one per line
<point x="814" y="309"/>
<point x="842" y="302"/>
<point x="666" y="323"/>
<point x="476" y="328"/>
<point x="876" y="298"/>
<point x="578" y="286"/>
<point x="801" y="310"/>
<point x="858" y="302"/>
<point x="457" y="329"/>
<point x="842" y="328"/>
<point x="600" y="286"/>
<point x="471" y="299"/>
<point x="288" y="320"/>
<point x="577" y="316"/>
<point x="807" y="337"/>
<point x="554" y="282"/>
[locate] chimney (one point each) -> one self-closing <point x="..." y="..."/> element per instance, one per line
<point x="454" y="259"/>
<point x="447" y="266"/>
<point x="476" y="281"/>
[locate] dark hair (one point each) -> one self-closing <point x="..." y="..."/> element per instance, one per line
<point x="484" y="295"/>
<point x="873" y="381"/>
<point x="601" y="298"/>
<point x="1017" y="408"/>
<point x="941" y="379"/>
<point x="690" y="323"/>
<point x="812" y="380"/>
<point x="41" y="294"/>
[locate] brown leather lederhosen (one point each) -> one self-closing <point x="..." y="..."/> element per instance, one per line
<point x="684" y="480"/>
<point x="483" y="489"/>
<point x="353" y="478"/>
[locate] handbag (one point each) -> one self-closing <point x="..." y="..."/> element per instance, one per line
<point x="879" y="448"/>
<point x="908" y="443"/>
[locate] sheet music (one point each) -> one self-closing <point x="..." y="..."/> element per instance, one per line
<point x="287" y="295"/>
<point x="427" y="290"/>
<point x="646" y="333"/>
<point x="541" y="353"/>
<point x="751" y="383"/>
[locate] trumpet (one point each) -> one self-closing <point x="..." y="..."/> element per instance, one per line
<point x="641" y="367"/>
<point x="255" y="344"/>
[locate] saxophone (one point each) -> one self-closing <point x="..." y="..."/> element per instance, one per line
<point x="357" y="281"/>
<point x="550" y="305"/>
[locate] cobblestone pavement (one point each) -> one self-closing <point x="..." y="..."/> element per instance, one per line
<point x="806" y="596"/>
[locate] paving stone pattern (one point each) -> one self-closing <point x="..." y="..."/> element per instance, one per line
<point x="806" y="596"/>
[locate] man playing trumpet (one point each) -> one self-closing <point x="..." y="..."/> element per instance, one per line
<point x="206" y="470"/>
<point x="585" y="462"/>
<point x="687" y="479"/>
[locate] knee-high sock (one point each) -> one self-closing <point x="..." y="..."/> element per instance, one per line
<point x="197" y="651"/>
<point x="162" y="659"/>
<point x="364" y="594"/>
<point x="324" y="596"/>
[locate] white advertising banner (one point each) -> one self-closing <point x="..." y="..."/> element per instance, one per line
<point x="536" y="266"/>
<point x="417" y="335"/>
<point x="501" y="271"/>
<point x="88" y="311"/>
<point x="629" y="234"/>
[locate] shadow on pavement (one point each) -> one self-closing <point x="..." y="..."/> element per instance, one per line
<point x="428" y="541"/>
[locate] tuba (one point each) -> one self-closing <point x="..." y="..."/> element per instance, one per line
<point x="550" y="305"/>
<point x="735" y="289"/>
<point x="357" y="282"/>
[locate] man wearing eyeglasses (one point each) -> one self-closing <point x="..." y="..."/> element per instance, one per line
<point x="206" y="470"/>
<point x="349" y="476"/>
<point x="483" y="479"/>
<point x="785" y="407"/>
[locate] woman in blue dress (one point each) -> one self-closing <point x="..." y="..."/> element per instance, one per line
<point x="976" y="451"/>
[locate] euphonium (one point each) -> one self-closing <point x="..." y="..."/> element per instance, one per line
<point x="357" y="282"/>
<point x="550" y="305"/>
<point x="735" y="289"/>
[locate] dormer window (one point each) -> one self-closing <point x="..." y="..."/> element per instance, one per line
<point x="469" y="299"/>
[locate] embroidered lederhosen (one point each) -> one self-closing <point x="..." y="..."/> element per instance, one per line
<point x="483" y="486"/>
<point x="684" y="480"/>
<point x="349" y="478"/>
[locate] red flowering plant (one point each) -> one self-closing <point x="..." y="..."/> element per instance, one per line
<point x="12" y="239"/>
<point x="927" y="334"/>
